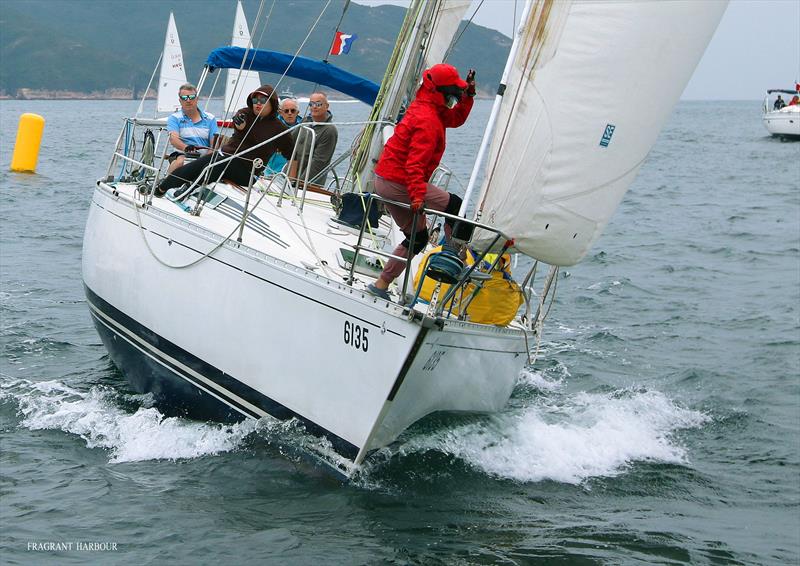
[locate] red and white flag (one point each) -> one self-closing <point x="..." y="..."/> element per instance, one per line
<point x="342" y="43"/>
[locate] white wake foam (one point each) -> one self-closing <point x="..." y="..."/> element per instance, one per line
<point x="553" y="381"/>
<point x="93" y="416"/>
<point x="587" y="435"/>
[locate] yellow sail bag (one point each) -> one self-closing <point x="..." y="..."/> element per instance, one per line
<point x="496" y="302"/>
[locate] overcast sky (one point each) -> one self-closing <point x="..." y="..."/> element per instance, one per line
<point x="756" y="46"/>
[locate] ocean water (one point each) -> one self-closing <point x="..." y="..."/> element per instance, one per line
<point x="660" y="423"/>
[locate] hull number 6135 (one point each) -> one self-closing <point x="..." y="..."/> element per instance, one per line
<point x="356" y="336"/>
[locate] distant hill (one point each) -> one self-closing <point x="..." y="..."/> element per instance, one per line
<point x="87" y="45"/>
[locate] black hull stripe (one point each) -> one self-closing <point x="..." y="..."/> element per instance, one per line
<point x="266" y="232"/>
<point x="199" y="381"/>
<point x="237" y="209"/>
<point x="199" y="373"/>
<point x="287" y="289"/>
<point x="471" y="349"/>
<point x="407" y="364"/>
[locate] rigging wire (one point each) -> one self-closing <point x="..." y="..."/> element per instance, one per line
<point x="275" y="88"/>
<point x="538" y="324"/>
<point x="338" y="25"/>
<point x="458" y="38"/>
<point x="220" y="244"/>
<point x="327" y="54"/>
<point x="250" y="47"/>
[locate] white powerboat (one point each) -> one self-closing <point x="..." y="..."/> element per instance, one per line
<point x="783" y="122"/>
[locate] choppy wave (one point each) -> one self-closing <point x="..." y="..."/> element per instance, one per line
<point x="95" y="417"/>
<point x="570" y="440"/>
<point x="567" y="439"/>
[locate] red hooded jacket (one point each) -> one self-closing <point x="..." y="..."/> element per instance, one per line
<point x="412" y="154"/>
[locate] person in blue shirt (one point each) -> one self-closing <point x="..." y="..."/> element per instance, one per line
<point x="190" y="129"/>
<point x="289" y="114"/>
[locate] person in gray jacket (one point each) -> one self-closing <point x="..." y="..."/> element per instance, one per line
<point x="324" y="145"/>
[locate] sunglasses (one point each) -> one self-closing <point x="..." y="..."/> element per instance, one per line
<point x="187" y="96"/>
<point x="290" y="110"/>
<point x="315" y="104"/>
<point x="259" y="100"/>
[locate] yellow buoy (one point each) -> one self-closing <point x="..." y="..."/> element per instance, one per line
<point x="29" y="138"/>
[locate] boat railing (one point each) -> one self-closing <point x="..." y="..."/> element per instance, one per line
<point x="441" y="177"/>
<point x="129" y="152"/>
<point x="302" y="129"/>
<point x="462" y="229"/>
<point x="134" y="159"/>
<point x="300" y="187"/>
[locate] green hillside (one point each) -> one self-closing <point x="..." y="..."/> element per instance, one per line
<point x="86" y="45"/>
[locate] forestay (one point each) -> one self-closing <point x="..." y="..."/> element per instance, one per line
<point x="424" y="38"/>
<point x="591" y="86"/>
<point x="173" y="73"/>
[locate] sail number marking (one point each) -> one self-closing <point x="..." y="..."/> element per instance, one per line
<point x="356" y="336"/>
<point x="609" y="131"/>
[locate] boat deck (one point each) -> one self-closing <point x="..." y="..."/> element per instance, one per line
<point x="311" y="238"/>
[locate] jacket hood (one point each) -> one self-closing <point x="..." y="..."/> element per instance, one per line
<point x="436" y="76"/>
<point x="269" y="92"/>
<point x="443" y="75"/>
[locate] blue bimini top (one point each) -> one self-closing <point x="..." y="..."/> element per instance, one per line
<point x="297" y="67"/>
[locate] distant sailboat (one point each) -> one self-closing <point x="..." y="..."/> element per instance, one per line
<point x="173" y="72"/>
<point x="240" y="83"/>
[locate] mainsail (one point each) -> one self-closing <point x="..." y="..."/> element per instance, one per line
<point x="173" y="73"/>
<point x="590" y="88"/>
<point x="240" y="83"/>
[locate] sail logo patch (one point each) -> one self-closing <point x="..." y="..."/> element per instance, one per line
<point x="606" y="139"/>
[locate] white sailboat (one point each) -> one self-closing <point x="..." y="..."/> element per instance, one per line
<point x="253" y="303"/>
<point x="240" y="82"/>
<point x="173" y="72"/>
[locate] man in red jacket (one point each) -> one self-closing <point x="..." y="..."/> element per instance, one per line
<point x="413" y="153"/>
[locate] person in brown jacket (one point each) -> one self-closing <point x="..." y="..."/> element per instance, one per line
<point x="252" y="125"/>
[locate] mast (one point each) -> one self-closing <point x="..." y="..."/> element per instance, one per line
<point x="427" y="30"/>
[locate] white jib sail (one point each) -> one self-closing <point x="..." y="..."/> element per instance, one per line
<point x="448" y="18"/>
<point x="239" y="85"/>
<point x="173" y="73"/>
<point x="591" y="86"/>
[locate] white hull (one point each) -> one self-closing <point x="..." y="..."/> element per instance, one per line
<point x="257" y="335"/>
<point x="783" y="123"/>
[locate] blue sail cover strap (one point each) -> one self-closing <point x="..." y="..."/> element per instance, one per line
<point x="301" y="68"/>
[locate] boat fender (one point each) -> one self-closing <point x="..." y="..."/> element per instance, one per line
<point x="420" y="241"/>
